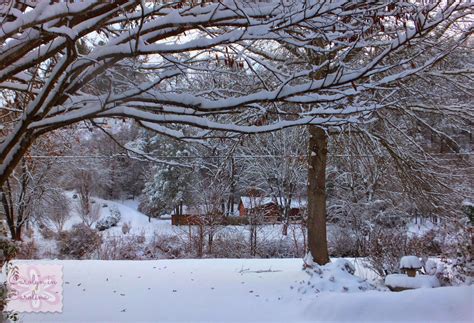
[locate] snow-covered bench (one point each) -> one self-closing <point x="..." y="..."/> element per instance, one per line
<point x="399" y="282"/>
<point x="410" y="280"/>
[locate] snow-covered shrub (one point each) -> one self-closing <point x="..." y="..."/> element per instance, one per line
<point x="27" y="250"/>
<point x="8" y="270"/>
<point x="46" y="232"/>
<point x="458" y="271"/>
<point x="3" y="296"/>
<point x="54" y="211"/>
<point x="430" y="267"/>
<point x="110" y="221"/>
<point x="231" y="245"/>
<point x="122" y="248"/>
<point x="8" y="250"/>
<point x="342" y="244"/>
<point x="426" y="244"/>
<point x="458" y="254"/>
<point x="277" y="249"/>
<point x="166" y="246"/>
<point x="336" y="276"/>
<point x="80" y="242"/>
<point x="386" y="247"/>
<point x="126" y="227"/>
<point x="91" y="215"/>
<point x="115" y="212"/>
<point x="141" y="238"/>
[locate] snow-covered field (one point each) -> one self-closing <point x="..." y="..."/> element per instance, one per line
<point x="139" y="222"/>
<point x="235" y="290"/>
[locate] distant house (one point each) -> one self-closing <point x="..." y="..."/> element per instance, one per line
<point x="199" y="214"/>
<point x="188" y="215"/>
<point x="271" y="209"/>
<point x="258" y="206"/>
<point x="297" y="206"/>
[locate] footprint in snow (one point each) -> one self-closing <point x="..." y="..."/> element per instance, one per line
<point x="174" y="290"/>
<point x="122" y="294"/>
<point x="250" y="291"/>
<point x="124" y="310"/>
<point x="79" y="284"/>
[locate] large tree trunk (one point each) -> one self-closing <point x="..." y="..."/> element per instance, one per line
<point x="317" y="159"/>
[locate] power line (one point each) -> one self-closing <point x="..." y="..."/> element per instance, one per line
<point x="222" y="156"/>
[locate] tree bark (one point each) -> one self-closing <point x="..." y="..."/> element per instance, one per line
<point x="317" y="160"/>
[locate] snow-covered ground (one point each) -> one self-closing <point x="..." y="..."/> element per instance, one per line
<point x="233" y="290"/>
<point x="236" y="290"/>
<point x="139" y="222"/>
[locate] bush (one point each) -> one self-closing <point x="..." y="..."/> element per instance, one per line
<point x="8" y="250"/>
<point x="80" y="242"/>
<point x="122" y="248"/>
<point x="427" y="244"/>
<point x="387" y="246"/>
<point x="5" y="294"/>
<point x="166" y="246"/>
<point x="110" y="221"/>
<point x="27" y="250"/>
<point x="385" y="249"/>
<point x="126" y="227"/>
<point x="232" y="245"/>
<point x="46" y="232"/>
<point x="342" y="244"/>
<point x="277" y="249"/>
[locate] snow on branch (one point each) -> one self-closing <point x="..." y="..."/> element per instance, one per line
<point x="225" y="66"/>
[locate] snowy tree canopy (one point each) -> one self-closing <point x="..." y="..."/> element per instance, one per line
<point x="62" y="63"/>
